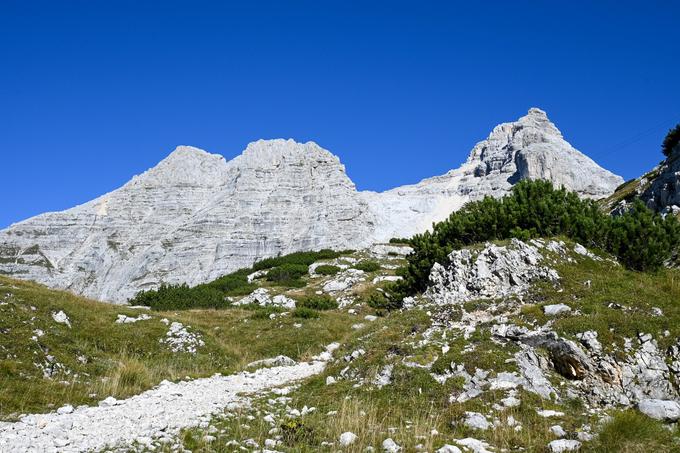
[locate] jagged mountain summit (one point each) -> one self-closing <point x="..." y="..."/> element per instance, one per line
<point x="196" y="216"/>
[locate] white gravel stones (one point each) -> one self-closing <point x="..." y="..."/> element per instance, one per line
<point x="556" y="309"/>
<point x="449" y="449"/>
<point x="581" y="250"/>
<point x="386" y="278"/>
<point x="67" y="409"/>
<point x="279" y="360"/>
<point x="547" y="413"/>
<point x="476" y="445"/>
<point x="61" y="318"/>
<point x="384" y="377"/>
<point x="562" y="445"/>
<point x="347" y="438"/>
<point x="179" y="339"/>
<point x="385" y="250"/>
<point x="660" y="409"/>
<point x="475" y="420"/>
<point x="261" y="297"/>
<point x="124" y="319"/>
<point x="160" y="412"/>
<point x="390" y="446"/>
<point x="344" y="281"/>
<point x="558" y="431"/>
<point x="109" y="401"/>
<point x="589" y="340"/>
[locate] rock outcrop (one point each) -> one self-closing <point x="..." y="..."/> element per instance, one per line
<point x="195" y="216"/>
<point x="663" y="192"/>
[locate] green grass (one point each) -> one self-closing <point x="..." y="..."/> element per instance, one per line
<point x="121" y="360"/>
<point x="131" y="359"/>
<point x="367" y="266"/>
<point x="637" y="292"/>
<point x="285" y="271"/>
<point x="317" y="302"/>
<point x="632" y="432"/>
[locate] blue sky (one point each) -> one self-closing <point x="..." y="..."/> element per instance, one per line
<point x="93" y="92"/>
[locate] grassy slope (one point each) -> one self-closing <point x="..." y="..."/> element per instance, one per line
<point x="407" y="410"/>
<point x="125" y="359"/>
<point x="414" y="404"/>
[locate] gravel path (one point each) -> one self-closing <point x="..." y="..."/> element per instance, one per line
<point x="160" y="412"/>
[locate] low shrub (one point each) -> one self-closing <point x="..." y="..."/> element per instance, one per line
<point x="305" y="313"/>
<point x="399" y="241"/>
<point x="303" y="258"/>
<point x="367" y="266"/>
<point x="671" y="140"/>
<point x="326" y="269"/>
<point x="287" y="271"/>
<point x="317" y="302"/>
<point x="181" y="297"/>
<point x="382" y="301"/>
<point x="639" y="238"/>
<point x="234" y="284"/>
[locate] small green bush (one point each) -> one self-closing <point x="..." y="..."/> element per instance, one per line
<point x="180" y="297"/>
<point x="399" y="241"/>
<point x="305" y="313"/>
<point x="382" y="301"/>
<point x="367" y="266"/>
<point x="287" y="273"/>
<point x="327" y="269"/>
<point x="317" y="302"/>
<point x="671" y="140"/>
<point x="234" y="284"/>
<point x="303" y="258"/>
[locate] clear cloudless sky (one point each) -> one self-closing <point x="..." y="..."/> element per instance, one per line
<point x="93" y="92"/>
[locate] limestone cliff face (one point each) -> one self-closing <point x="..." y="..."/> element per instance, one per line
<point x="195" y="216"/>
<point x="190" y="219"/>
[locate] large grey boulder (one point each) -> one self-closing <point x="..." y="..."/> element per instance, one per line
<point x="660" y="409"/>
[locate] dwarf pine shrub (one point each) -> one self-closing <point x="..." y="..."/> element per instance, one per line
<point x="639" y="238"/>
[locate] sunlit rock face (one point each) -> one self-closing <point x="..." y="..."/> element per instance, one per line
<point x="195" y="216"/>
<point x="529" y="148"/>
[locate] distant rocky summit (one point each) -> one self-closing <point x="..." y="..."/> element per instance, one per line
<point x="196" y="216"/>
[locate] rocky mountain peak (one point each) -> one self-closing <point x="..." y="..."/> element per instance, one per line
<point x="499" y="148"/>
<point x="285" y="149"/>
<point x="186" y="165"/>
<point x="195" y="216"/>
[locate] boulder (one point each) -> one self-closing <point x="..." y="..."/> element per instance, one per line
<point x="660" y="409"/>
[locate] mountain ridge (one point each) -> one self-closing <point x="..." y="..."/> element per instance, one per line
<point x="196" y="216"/>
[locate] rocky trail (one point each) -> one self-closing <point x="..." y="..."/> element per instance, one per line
<point x="155" y="415"/>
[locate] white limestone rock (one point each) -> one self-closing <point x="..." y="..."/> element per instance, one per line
<point x="347" y="439"/>
<point x="195" y="217"/>
<point x="475" y="420"/>
<point x="660" y="409"/>
<point x="494" y="272"/>
<point x="562" y="445"/>
<point x="556" y="309"/>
